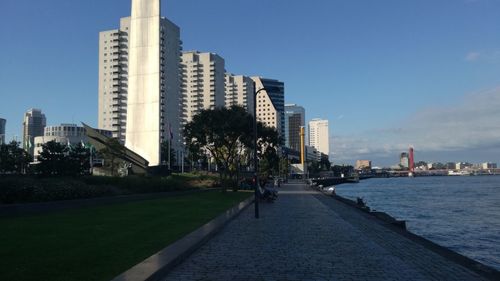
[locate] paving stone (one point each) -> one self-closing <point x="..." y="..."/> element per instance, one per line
<point x="307" y="236"/>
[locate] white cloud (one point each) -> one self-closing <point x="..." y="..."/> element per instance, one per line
<point x="488" y="56"/>
<point x="472" y="124"/>
<point x="472" y="56"/>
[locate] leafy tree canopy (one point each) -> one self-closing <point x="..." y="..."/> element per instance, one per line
<point x="226" y="133"/>
<point x="13" y="159"/>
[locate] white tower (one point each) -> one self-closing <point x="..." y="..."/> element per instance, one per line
<point x="143" y="101"/>
<point x="153" y="81"/>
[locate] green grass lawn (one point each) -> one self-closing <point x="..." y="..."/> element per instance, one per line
<point x="99" y="243"/>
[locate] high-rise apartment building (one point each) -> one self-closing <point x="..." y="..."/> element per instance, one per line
<point x="203" y="83"/>
<point x="239" y="91"/>
<point x="139" y="81"/>
<point x="319" y="136"/>
<point x="113" y="79"/>
<point x="3" y="122"/>
<point x="295" y="117"/>
<point x="33" y="125"/>
<point x="271" y="103"/>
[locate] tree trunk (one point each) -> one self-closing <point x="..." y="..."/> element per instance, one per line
<point x="237" y="174"/>
<point x="112" y="166"/>
<point x="221" y="178"/>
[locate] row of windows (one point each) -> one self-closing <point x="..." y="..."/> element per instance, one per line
<point x="65" y="129"/>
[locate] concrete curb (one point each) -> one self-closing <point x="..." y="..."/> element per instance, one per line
<point x="158" y="265"/>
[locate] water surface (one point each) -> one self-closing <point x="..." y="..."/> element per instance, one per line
<point x="461" y="213"/>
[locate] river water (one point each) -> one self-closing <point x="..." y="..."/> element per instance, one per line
<point x="460" y="213"/>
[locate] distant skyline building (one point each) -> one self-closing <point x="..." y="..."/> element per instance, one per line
<point x="203" y="83"/>
<point x="450" y="165"/>
<point x="404" y="159"/>
<point x="140" y="80"/>
<point x="295" y="117"/>
<point x="3" y="124"/>
<point x="363" y="164"/>
<point x="488" y="165"/>
<point x="271" y="103"/>
<point x="33" y="126"/>
<point x="239" y="91"/>
<point x="462" y="165"/>
<point x="319" y="135"/>
<point x="66" y="134"/>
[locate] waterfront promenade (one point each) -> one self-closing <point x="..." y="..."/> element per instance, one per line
<point x="306" y="235"/>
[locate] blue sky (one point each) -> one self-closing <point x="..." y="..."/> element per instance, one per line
<point x="381" y="71"/>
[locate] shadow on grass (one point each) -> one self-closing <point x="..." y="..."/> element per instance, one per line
<point x="99" y="243"/>
<point x="26" y="189"/>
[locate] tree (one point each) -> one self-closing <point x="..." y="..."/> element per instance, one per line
<point x="325" y="164"/>
<point x="223" y="132"/>
<point x="227" y="133"/>
<point x="267" y="150"/>
<point x="284" y="166"/>
<point x="113" y="153"/>
<point x="13" y="159"/>
<point x="53" y="159"/>
<point x="313" y="168"/>
<point x="339" y="170"/>
<point x="79" y="160"/>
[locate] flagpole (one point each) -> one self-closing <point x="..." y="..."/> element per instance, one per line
<point x="170" y="137"/>
<point x="169" y="144"/>
<point x="91" y="160"/>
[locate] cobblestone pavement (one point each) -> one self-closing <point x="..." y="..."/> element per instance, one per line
<point x="308" y="236"/>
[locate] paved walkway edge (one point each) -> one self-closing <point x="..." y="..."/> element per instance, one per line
<point x="471" y="264"/>
<point x="156" y="266"/>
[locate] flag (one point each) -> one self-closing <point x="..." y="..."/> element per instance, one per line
<point x="69" y="144"/>
<point x="83" y="144"/>
<point x="170" y="129"/>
